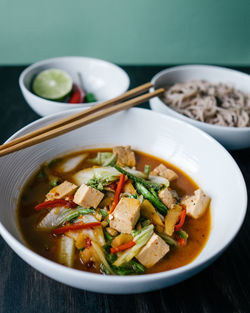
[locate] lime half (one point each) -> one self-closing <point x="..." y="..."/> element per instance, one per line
<point x="52" y="84"/>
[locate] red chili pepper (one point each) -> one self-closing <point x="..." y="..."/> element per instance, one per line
<point x="77" y="95"/>
<point x="181" y="221"/>
<point x="181" y="241"/>
<point x="75" y="226"/>
<point x="88" y="242"/>
<point x="54" y="203"/>
<point x="117" y="193"/>
<point x="123" y="247"/>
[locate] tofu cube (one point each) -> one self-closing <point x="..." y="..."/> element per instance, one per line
<point x="153" y="251"/>
<point x="125" y="156"/>
<point x="88" y="197"/>
<point x="125" y="215"/>
<point x="196" y="204"/>
<point x="61" y="191"/>
<point x="167" y="197"/>
<point x="163" y="171"/>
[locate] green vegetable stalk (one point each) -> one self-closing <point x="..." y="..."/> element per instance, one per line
<point x="129" y="268"/>
<point x="140" y="180"/>
<point x="104" y="159"/>
<point x="182" y="234"/>
<point x="141" y="238"/>
<point x="147" y="169"/>
<point x="71" y="214"/>
<point x="152" y="198"/>
<point x="102" y="258"/>
<point x="169" y="240"/>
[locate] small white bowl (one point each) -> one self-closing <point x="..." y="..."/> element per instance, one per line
<point x="230" y="137"/>
<point x="104" y="79"/>
<point x="192" y="150"/>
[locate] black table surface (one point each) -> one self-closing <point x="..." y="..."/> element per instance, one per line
<point x="223" y="287"/>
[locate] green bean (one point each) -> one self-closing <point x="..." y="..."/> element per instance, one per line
<point x="142" y="181"/>
<point x="149" y="196"/>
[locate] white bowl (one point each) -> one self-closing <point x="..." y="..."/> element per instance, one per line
<point x="193" y="151"/>
<point x="231" y="137"/>
<point x="104" y="79"/>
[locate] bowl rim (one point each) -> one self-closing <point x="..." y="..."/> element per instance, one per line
<point x="65" y="58"/>
<point x="133" y="278"/>
<point x="189" y="119"/>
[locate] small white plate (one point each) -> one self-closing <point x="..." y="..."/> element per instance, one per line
<point x="104" y="79"/>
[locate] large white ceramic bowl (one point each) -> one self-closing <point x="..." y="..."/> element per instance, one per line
<point x="231" y="137"/>
<point x="104" y="79"/>
<point x="192" y="150"/>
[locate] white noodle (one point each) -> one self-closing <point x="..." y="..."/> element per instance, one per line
<point x="218" y="104"/>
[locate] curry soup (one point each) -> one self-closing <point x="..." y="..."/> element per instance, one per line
<point x="152" y="235"/>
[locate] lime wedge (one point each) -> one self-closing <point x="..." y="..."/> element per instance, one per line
<point x="52" y="84"/>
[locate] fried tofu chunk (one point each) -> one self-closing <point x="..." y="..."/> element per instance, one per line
<point x="88" y="197"/>
<point x="153" y="251"/>
<point x="125" y="215"/>
<point x="167" y="197"/>
<point x="163" y="171"/>
<point x="196" y="204"/>
<point x="125" y="156"/>
<point x="61" y="191"/>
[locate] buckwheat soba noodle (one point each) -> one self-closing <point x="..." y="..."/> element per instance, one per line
<point x="218" y="104"/>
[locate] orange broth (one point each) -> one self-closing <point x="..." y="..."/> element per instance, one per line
<point x="46" y="245"/>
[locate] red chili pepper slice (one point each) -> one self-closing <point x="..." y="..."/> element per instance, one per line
<point x="77" y="96"/>
<point x="54" y="203"/>
<point x="75" y="226"/>
<point x="181" y="241"/>
<point x="123" y="247"/>
<point x="117" y="193"/>
<point x="182" y="220"/>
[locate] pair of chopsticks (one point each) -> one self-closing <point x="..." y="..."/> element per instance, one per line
<point x="83" y="118"/>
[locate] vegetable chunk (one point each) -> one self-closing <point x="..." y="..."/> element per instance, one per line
<point x="88" y="197"/>
<point x="125" y="156"/>
<point x="66" y="251"/>
<point x="125" y="215"/>
<point x="52" y="219"/>
<point x="69" y="164"/>
<point x="163" y="171"/>
<point x="149" y="211"/>
<point x="61" y="191"/>
<point x="197" y="204"/>
<point x="167" y="197"/>
<point x="94" y="234"/>
<point x="155" y="249"/>
<point x="172" y="218"/>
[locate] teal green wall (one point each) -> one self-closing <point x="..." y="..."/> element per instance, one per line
<point x="126" y="32"/>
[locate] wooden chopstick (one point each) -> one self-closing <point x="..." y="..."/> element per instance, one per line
<point x="77" y="122"/>
<point x="95" y="108"/>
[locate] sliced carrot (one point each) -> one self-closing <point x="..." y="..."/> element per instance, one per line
<point x="75" y="226"/>
<point x="182" y="220"/>
<point x="54" y="203"/>
<point x="123" y="247"/>
<point x="117" y="193"/>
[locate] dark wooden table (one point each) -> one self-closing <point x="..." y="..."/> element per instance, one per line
<point x="223" y="287"/>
